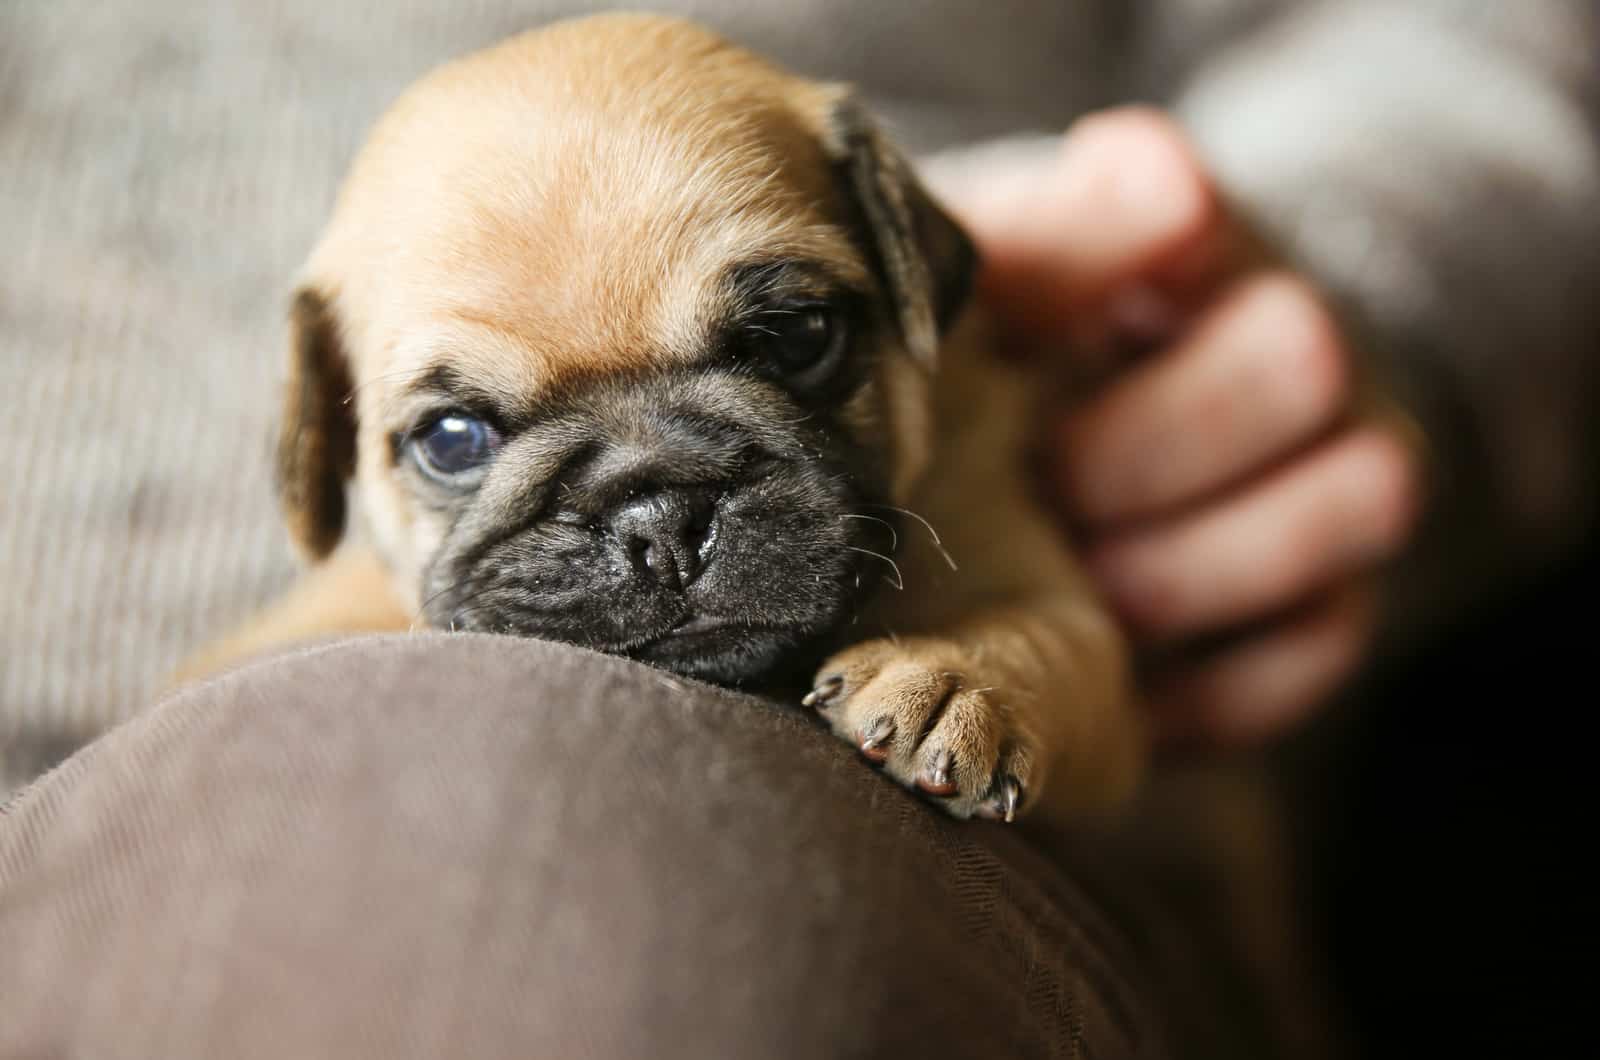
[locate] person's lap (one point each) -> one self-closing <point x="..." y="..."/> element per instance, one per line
<point x="481" y="846"/>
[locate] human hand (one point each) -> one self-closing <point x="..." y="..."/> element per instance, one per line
<point x="1231" y="506"/>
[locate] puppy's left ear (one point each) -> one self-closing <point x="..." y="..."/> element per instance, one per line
<point x="317" y="440"/>
<point x="923" y="255"/>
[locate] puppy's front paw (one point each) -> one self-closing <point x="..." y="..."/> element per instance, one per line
<point x="922" y="710"/>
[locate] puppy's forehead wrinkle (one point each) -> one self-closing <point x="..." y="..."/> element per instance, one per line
<point x="448" y="382"/>
<point x="771" y="278"/>
<point x="534" y="326"/>
<point x="745" y="405"/>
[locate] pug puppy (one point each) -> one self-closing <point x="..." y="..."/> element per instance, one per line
<point x="621" y="336"/>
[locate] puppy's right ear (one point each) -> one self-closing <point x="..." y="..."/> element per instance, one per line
<point x="926" y="258"/>
<point x="317" y="441"/>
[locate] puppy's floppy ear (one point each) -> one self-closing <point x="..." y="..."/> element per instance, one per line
<point x="317" y="441"/>
<point x="925" y="258"/>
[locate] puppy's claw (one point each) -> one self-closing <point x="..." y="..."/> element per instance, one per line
<point x="938" y="782"/>
<point x="1004" y="800"/>
<point x="820" y="696"/>
<point x="1010" y="797"/>
<point x="872" y="745"/>
<point x="922" y="710"/>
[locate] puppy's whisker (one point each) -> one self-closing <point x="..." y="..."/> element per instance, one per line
<point x="894" y="535"/>
<point x="899" y="581"/>
<point x="470" y="582"/>
<point x="481" y="583"/>
<point x="927" y="525"/>
<point x="467" y="610"/>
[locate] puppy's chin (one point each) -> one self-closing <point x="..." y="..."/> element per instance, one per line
<point x="781" y="573"/>
<point x="729" y="653"/>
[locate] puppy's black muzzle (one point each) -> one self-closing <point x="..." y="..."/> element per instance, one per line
<point x="703" y="523"/>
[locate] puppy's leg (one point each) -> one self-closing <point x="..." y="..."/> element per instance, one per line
<point x="1024" y="704"/>
<point x="349" y="593"/>
<point x="1004" y="682"/>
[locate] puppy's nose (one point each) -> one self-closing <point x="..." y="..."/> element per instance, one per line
<point x="667" y="535"/>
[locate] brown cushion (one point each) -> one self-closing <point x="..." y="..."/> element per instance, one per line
<point x="479" y="846"/>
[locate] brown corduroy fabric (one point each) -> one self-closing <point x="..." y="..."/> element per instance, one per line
<point x="476" y="846"/>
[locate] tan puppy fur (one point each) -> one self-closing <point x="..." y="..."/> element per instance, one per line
<point x="563" y="210"/>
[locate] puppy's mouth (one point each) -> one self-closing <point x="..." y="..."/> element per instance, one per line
<point x="716" y="648"/>
<point x="698" y="629"/>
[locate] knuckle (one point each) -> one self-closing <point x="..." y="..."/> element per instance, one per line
<point x="1148" y="142"/>
<point x="1389" y="482"/>
<point x="1140" y="584"/>
<point x="1150" y="128"/>
<point x="1309" y="363"/>
<point x="1301" y="559"/>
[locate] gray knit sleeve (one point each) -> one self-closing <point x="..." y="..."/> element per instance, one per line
<point x="1436" y="165"/>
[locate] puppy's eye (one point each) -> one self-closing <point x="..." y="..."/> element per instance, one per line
<point x="454" y="444"/>
<point x="803" y="342"/>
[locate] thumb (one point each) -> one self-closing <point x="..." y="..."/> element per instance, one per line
<point x="1121" y="196"/>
